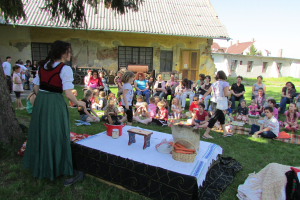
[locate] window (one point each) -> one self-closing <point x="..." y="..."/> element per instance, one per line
<point x="39" y="51"/>
<point x="166" y="60"/>
<point x="264" y="67"/>
<point x="233" y="65"/>
<point x="249" y="66"/>
<point x="135" y="55"/>
<point x="241" y="62"/>
<point x="279" y="66"/>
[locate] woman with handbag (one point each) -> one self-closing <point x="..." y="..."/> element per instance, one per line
<point x="218" y="103"/>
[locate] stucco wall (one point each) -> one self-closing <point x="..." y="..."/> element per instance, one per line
<point x="271" y="71"/>
<point x="99" y="48"/>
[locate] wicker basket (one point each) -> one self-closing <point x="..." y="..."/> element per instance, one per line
<point x="187" y="158"/>
<point x="187" y="133"/>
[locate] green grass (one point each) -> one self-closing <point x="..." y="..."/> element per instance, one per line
<point x="253" y="154"/>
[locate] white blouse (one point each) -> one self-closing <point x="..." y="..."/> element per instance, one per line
<point x="66" y="75"/>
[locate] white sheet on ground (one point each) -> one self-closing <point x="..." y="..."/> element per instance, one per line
<point x="150" y="156"/>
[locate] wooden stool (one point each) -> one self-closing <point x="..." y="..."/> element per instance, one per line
<point x="147" y="135"/>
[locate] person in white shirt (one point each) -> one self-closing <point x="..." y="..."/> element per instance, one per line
<point x="269" y="128"/>
<point x="23" y="70"/>
<point x="7" y="73"/>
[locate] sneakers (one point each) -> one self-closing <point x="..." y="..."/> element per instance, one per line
<point x="78" y="177"/>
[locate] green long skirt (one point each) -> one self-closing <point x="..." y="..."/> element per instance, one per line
<point x="48" y="150"/>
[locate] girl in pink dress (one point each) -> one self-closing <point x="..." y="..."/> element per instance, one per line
<point x="252" y="109"/>
<point x="291" y="118"/>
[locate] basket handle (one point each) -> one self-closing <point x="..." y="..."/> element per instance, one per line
<point x="183" y="140"/>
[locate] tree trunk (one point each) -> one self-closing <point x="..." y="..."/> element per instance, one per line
<point x="10" y="130"/>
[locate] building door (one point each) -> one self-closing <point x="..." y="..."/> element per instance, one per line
<point x="166" y="61"/>
<point x="190" y="65"/>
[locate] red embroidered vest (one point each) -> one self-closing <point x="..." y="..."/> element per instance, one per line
<point x="50" y="79"/>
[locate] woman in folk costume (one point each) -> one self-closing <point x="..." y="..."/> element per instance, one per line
<point x="48" y="150"/>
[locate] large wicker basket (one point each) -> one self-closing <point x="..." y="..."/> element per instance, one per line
<point x="187" y="158"/>
<point x="187" y="133"/>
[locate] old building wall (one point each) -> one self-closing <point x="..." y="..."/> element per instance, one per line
<point x="100" y="48"/>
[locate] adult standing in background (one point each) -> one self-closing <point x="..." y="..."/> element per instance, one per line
<point x="104" y="82"/>
<point x="48" y="151"/>
<point x="258" y="85"/>
<point x="141" y="86"/>
<point x="219" y="91"/>
<point x="237" y="92"/>
<point x="34" y="68"/>
<point x="7" y="73"/>
<point x="188" y="90"/>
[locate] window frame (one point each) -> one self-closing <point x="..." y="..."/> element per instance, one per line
<point x="166" y="59"/>
<point x="129" y="53"/>
<point x="33" y="57"/>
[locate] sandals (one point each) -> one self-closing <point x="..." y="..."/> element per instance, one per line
<point x="210" y="137"/>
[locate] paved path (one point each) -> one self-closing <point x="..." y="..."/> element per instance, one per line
<point x="23" y="95"/>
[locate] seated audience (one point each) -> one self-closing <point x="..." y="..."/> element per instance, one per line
<point x="187" y="91"/>
<point x="179" y="91"/>
<point x="258" y="85"/>
<point x="176" y="108"/>
<point x="237" y="92"/>
<point x="162" y="119"/>
<point x="150" y="114"/>
<point x="139" y="101"/>
<point x="170" y="83"/>
<point x="159" y="87"/>
<point x="269" y="128"/>
<point x="291" y="118"/>
<point x="112" y="96"/>
<point x="142" y="110"/>
<point x="29" y="102"/>
<point x="151" y="84"/>
<point x="200" y="119"/>
<point x="72" y="105"/>
<point x="111" y="113"/>
<point x="272" y="104"/>
<point x="287" y="94"/>
<point x="105" y="83"/>
<point x="228" y="120"/>
<point x="95" y="82"/>
<point x="194" y="106"/>
<point x="242" y="112"/>
<point x="253" y="109"/>
<point x="298" y="101"/>
<point x="200" y="82"/>
<point x="260" y="99"/>
<point x="266" y="104"/>
<point x="85" y="112"/>
<point x="141" y="86"/>
<point x="203" y="89"/>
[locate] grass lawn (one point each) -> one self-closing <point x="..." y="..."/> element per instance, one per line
<point x="253" y="154"/>
<point x="267" y="81"/>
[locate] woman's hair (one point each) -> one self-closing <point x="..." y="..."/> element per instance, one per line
<point x="161" y="104"/>
<point x="137" y="76"/>
<point x="102" y="94"/>
<point x="202" y="76"/>
<point x="293" y="86"/>
<point x="58" y="48"/>
<point x="16" y="67"/>
<point x="95" y="91"/>
<point x="185" y="82"/>
<point x="263" y="92"/>
<point x="95" y="71"/>
<point x="126" y="76"/>
<point x="296" y="110"/>
<point x="208" y="77"/>
<point x="28" y="61"/>
<point x="87" y="93"/>
<point x="139" y="97"/>
<point x="179" y="104"/>
<point x="221" y="75"/>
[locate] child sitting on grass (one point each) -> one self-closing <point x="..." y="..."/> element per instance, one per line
<point x="272" y="104"/>
<point x="291" y="118"/>
<point x="102" y="101"/>
<point x="74" y="92"/>
<point x="163" y="117"/>
<point x="260" y="99"/>
<point x="112" y="96"/>
<point x="85" y="112"/>
<point x="142" y="110"/>
<point x="269" y="128"/>
<point x="111" y="113"/>
<point x="242" y="112"/>
<point x="176" y="108"/>
<point x="149" y="111"/>
<point x="229" y="110"/>
<point x="227" y="124"/>
<point x="252" y="109"/>
<point x="95" y="99"/>
<point x="194" y="106"/>
<point x="139" y="101"/>
<point x="200" y="119"/>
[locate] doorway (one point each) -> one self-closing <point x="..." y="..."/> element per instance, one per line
<point x="190" y="64"/>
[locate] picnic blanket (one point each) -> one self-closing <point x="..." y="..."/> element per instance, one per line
<point x="240" y="130"/>
<point x="295" y="139"/>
